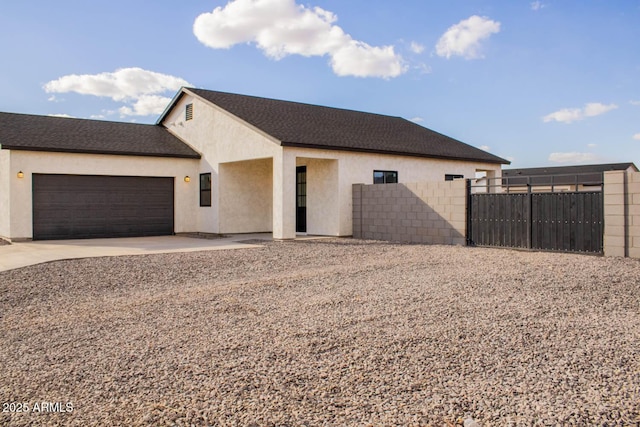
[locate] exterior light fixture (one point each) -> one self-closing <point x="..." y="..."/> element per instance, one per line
<point x="187" y="179"/>
<point x="20" y="174"/>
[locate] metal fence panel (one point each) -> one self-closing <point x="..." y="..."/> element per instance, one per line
<point x="570" y="221"/>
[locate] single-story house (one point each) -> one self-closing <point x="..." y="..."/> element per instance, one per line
<point x="213" y="163"/>
<point x="560" y="178"/>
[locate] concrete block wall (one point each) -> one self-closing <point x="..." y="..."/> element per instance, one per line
<point x="633" y="214"/>
<point x="429" y="212"/>
<point x="622" y="214"/>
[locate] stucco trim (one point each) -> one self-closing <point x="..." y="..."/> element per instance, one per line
<point x="391" y="153"/>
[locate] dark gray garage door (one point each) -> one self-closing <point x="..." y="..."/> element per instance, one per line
<point x="88" y="206"/>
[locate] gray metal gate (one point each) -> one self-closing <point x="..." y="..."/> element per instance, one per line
<point x="571" y="221"/>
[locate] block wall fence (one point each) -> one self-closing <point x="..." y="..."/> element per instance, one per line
<point x="436" y="213"/>
<point x="425" y="212"/>
<point x="622" y="214"/>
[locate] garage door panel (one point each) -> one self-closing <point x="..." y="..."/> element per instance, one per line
<point x="89" y="206"/>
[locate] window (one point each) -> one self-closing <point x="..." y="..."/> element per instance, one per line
<point x="188" y="112"/>
<point x="385" y="177"/>
<point x="451" y="177"/>
<point x="205" y="189"/>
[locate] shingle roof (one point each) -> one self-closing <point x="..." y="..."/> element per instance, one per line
<point x="45" y="133"/>
<point x="313" y="126"/>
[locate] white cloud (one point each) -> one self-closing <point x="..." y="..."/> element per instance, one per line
<point x="146" y="105"/>
<point x="417" y="119"/>
<point x="484" y="148"/>
<point x="123" y="84"/>
<point x="634" y="103"/>
<point x="62" y="115"/>
<point x="592" y="145"/>
<point x="537" y="5"/>
<point x="281" y="28"/>
<point x="595" y="109"/>
<point x="573" y="157"/>
<point x="636" y="136"/>
<point x="136" y="86"/>
<point x="570" y="115"/>
<point x="463" y="39"/>
<point x="566" y="115"/>
<point x="416" y="47"/>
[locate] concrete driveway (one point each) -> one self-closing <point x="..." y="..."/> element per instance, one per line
<point x="24" y="254"/>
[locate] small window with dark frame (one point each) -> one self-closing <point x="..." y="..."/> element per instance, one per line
<point x="205" y="189"/>
<point x="451" y="176"/>
<point x="385" y="177"/>
<point x="188" y="112"/>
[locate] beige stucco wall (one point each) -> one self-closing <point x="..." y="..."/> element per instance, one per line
<point x="5" y="188"/>
<point x="220" y="138"/>
<point x="357" y="168"/>
<point x="246" y="196"/>
<point x="284" y="195"/>
<point x="30" y="162"/>
<point x="323" y="213"/>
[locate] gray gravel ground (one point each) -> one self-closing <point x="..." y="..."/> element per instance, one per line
<point x="330" y="332"/>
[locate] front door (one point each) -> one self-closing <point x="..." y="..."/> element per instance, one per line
<point x="301" y="199"/>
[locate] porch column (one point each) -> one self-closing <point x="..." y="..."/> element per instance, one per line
<point x="284" y="195"/>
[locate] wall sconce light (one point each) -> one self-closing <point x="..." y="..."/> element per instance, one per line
<point x="20" y="174"/>
<point x="187" y="179"/>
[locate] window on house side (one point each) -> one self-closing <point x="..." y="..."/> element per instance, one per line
<point x="385" y="177"/>
<point x="205" y="189"/>
<point x="451" y="177"/>
<point x="188" y="112"/>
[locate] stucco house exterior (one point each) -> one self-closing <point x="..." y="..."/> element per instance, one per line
<point x="214" y="162"/>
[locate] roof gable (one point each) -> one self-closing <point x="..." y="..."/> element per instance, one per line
<point x="61" y="134"/>
<point x="312" y="126"/>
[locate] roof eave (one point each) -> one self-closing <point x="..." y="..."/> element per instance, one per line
<point x="171" y="104"/>
<point x="498" y="160"/>
<point x="107" y="152"/>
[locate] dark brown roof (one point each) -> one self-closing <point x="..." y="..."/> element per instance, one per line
<point x="45" y="133"/>
<point x="576" y="174"/>
<point x="312" y="126"/>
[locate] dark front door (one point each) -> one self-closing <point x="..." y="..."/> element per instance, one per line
<point x="90" y="206"/>
<point x="301" y="199"/>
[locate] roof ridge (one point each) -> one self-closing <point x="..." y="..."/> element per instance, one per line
<point x="307" y="104"/>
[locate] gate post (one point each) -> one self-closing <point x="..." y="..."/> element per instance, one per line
<point x="468" y="211"/>
<point x="530" y="216"/>
<point x="615" y="214"/>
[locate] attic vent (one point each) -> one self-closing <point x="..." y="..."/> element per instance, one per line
<point x="188" y="112"/>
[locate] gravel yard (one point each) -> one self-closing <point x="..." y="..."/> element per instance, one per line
<point x="326" y="332"/>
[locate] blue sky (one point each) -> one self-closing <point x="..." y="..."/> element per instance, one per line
<point x="549" y="82"/>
